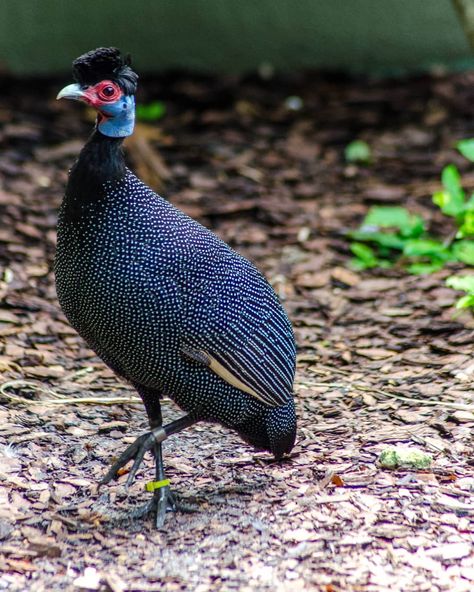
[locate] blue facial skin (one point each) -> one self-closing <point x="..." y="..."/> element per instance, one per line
<point x="119" y="118"/>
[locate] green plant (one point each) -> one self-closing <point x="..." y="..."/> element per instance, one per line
<point x="392" y="235"/>
<point x="463" y="283"/>
<point x="358" y="152"/>
<point x="151" y="112"/>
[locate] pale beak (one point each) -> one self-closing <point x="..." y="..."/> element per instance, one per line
<point x="71" y="91"/>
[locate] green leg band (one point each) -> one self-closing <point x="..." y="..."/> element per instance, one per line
<point x="153" y="485"/>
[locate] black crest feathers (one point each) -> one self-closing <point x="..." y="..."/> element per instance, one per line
<point x="105" y="63"/>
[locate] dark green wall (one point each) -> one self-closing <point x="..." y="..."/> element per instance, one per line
<point x="43" y="36"/>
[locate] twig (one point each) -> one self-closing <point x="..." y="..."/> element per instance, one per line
<point x="448" y="241"/>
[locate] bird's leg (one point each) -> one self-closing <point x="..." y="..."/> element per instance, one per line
<point x="148" y="441"/>
<point x="163" y="499"/>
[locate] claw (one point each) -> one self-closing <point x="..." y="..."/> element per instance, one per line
<point x="127" y="455"/>
<point x="136" y="463"/>
<point x="163" y="501"/>
<point x="142" y="444"/>
<point x="136" y="451"/>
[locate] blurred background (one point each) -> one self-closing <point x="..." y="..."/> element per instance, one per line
<point x="376" y="36"/>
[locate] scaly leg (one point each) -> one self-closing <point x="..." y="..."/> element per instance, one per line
<point x="162" y="497"/>
<point x="162" y="500"/>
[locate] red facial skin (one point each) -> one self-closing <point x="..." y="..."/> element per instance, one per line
<point x="101" y="94"/>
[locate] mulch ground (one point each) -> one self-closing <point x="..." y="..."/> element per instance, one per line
<point x="382" y="359"/>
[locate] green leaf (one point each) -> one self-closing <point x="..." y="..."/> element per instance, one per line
<point x="465" y="301"/>
<point x="359" y="265"/>
<point x="466" y="148"/>
<point x="385" y="263"/>
<point x="469" y="205"/>
<point x="451" y="179"/>
<point x="365" y="255"/>
<point x="408" y="224"/>
<point x="416" y="228"/>
<point x="425" y="268"/>
<point x="383" y="239"/>
<point x="426" y="248"/>
<point x="467" y="227"/>
<point x="463" y="250"/>
<point x="441" y="199"/>
<point x="358" y="152"/>
<point x="151" y="112"/>
<point x="451" y="200"/>
<point x="461" y="282"/>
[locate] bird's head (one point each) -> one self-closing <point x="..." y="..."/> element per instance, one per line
<point x="281" y="428"/>
<point x="105" y="81"/>
<point x="273" y="429"/>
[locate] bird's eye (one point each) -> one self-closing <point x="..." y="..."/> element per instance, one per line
<point x="108" y="92"/>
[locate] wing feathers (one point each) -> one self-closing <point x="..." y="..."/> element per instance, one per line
<point x="231" y="377"/>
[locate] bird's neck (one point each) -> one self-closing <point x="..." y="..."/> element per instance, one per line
<point x="100" y="161"/>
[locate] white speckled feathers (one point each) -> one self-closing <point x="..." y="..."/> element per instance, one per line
<point x="151" y="282"/>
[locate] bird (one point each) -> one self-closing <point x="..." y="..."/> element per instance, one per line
<point x="163" y="301"/>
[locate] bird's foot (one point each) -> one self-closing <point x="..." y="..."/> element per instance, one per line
<point x="163" y="501"/>
<point x="136" y="451"/>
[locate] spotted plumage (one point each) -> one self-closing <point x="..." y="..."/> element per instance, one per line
<point x="161" y="299"/>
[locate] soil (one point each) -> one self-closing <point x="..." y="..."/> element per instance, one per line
<point x="382" y="359"/>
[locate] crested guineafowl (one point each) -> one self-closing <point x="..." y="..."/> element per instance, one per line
<point x="163" y="301"/>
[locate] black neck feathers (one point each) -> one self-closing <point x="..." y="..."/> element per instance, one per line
<point x="100" y="160"/>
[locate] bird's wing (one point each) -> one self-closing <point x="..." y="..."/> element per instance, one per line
<point x="236" y="326"/>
